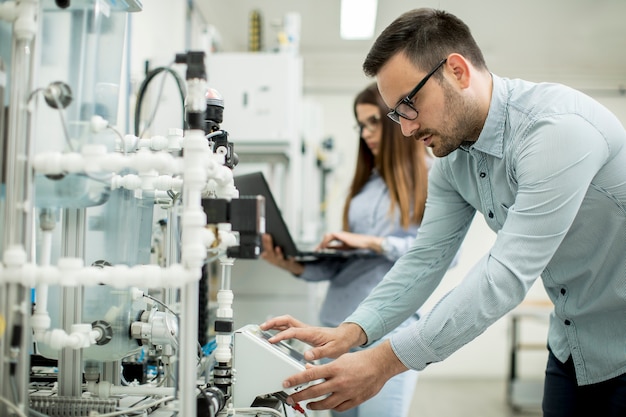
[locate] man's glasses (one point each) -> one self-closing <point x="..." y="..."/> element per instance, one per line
<point x="371" y="124"/>
<point x="405" y="108"/>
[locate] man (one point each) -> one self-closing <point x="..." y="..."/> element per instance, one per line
<point x="546" y="166"/>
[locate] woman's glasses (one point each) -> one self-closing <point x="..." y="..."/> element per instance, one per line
<point x="372" y="123"/>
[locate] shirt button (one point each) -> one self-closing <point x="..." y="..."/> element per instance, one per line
<point x="490" y="214"/>
<point x="483" y="175"/>
<point x="563" y="291"/>
<point x="567" y="322"/>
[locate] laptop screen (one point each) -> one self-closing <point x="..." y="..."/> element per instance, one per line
<point x="255" y="184"/>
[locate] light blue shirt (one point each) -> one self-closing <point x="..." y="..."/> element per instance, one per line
<point x="353" y="279"/>
<point x="548" y="173"/>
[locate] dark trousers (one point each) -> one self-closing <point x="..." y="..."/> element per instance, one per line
<point x="562" y="397"/>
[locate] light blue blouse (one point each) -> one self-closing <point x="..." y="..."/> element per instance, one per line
<point x="352" y="280"/>
<point x="548" y="173"/>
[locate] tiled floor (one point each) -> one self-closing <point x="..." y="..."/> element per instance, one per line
<point x="442" y="397"/>
<point x="437" y="397"/>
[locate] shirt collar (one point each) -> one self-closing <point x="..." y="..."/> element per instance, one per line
<point x="491" y="138"/>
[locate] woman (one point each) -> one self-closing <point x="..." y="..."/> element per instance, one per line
<point x="382" y="213"/>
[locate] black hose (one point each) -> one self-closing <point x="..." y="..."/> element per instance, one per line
<point x="144" y="86"/>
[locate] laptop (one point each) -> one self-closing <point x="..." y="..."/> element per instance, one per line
<point x="255" y="184"/>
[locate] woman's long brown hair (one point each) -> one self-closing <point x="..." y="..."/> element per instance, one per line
<point x="401" y="162"/>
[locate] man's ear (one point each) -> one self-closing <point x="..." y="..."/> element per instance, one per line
<point x="460" y="68"/>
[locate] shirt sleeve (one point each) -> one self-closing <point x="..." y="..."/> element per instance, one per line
<point x="551" y="170"/>
<point x="417" y="273"/>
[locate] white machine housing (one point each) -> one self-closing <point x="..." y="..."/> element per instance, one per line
<point x="260" y="367"/>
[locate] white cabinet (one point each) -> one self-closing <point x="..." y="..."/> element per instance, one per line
<point x="262" y="95"/>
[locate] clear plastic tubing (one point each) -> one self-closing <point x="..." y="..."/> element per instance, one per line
<point x="19" y="150"/>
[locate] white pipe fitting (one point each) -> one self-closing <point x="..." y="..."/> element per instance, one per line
<point x="94" y="158"/>
<point x="223" y="354"/>
<point x="81" y="336"/>
<point x="8" y="11"/>
<point x="40" y="322"/>
<point x="129" y="182"/>
<point x="93" y="155"/>
<point x="25" y="24"/>
<point x="70" y="272"/>
<point x="167" y="182"/>
<point x="126" y="144"/>
<point x="105" y="389"/>
<point x="155" y="143"/>
<point x="175" y="139"/>
<point x="98" y="123"/>
<point x="72" y="162"/>
<point x="114" y="162"/>
<point x="224" y="304"/>
<point x="226" y="238"/>
<point x="14" y="257"/>
<point x="48" y="163"/>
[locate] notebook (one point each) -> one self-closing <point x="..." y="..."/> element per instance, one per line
<point x="255" y="184"/>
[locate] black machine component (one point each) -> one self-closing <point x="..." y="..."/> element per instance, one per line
<point x="246" y="215"/>
<point x="58" y="95"/>
<point x="134" y="371"/>
<point x="219" y="138"/>
<point x="43" y="370"/>
<point x="221" y="145"/>
<point x="204" y="107"/>
<point x="222" y="377"/>
<point x="106" y="331"/>
<point x="214" y="110"/>
<point x="195" y="103"/>
<point x="224" y="325"/>
<point x="210" y="401"/>
<point x="62" y="4"/>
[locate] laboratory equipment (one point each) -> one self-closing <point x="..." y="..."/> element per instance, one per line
<point x="87" y="208"/>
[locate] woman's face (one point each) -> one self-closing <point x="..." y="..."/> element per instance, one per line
<point x="370" y="126"/>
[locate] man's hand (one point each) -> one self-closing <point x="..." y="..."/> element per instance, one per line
<point x="349" y="380"/>
<point x="327" y="342"/>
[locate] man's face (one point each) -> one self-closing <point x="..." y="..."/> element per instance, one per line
<point x="446" y="117"/>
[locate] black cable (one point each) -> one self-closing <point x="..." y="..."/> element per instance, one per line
<point x="144" y="86"/>
<point x="156" y="300"/>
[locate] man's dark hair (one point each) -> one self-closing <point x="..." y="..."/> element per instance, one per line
<point x="426" y="36"/>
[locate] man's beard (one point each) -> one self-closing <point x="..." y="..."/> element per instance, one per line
<point x="461" y="123"/>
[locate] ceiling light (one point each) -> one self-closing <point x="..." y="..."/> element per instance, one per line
<point x="358" y="19"/>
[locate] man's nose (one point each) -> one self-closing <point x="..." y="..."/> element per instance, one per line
<point x="409" y="126"/>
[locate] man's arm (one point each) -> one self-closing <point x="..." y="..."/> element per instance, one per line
<point x="552" y="168"/>
<point x="417" y="273"/>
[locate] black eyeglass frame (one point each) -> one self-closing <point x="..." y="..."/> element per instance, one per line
<point x="395" y="115"/>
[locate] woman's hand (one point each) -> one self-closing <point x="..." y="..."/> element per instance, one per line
<point x="348" y="240"/>
<point x="274" y="255"/>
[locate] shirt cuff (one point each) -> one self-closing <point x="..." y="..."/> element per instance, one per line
<point x="408" y="347"/>
<point x="386" y="246"/>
